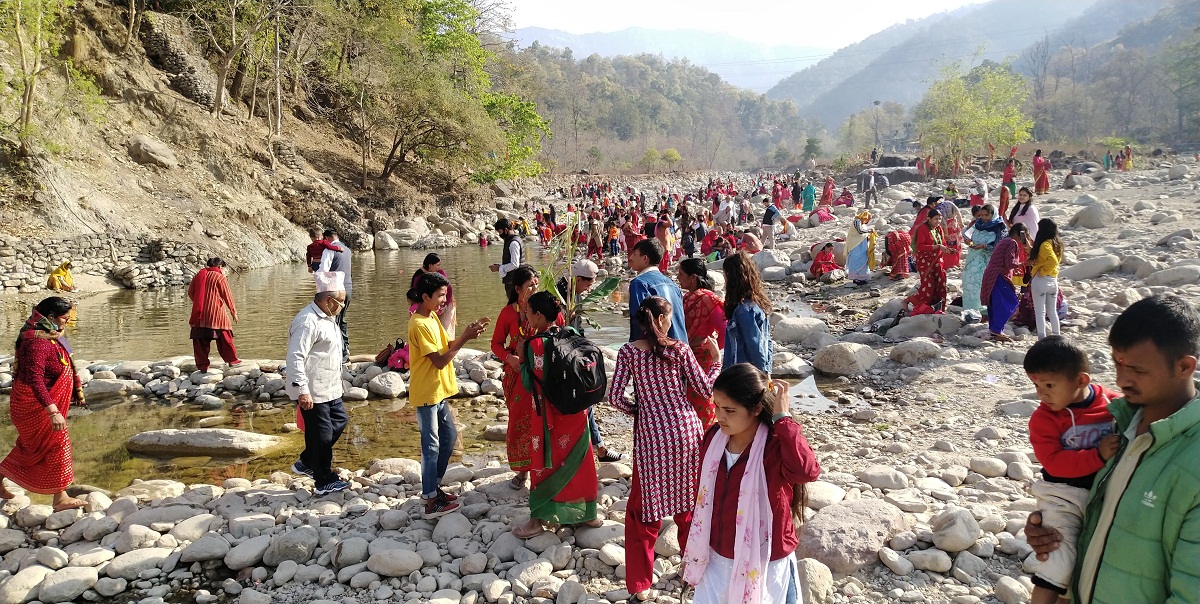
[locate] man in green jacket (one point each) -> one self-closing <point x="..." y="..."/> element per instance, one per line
<point x="1140" y="540"/>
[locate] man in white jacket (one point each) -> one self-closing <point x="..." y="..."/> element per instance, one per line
<point x="313" y="378"/>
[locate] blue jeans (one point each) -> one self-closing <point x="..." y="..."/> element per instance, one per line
<point x="594" y="429"/>
<point x="323" y="426"/>
<point x="438" y="435"/>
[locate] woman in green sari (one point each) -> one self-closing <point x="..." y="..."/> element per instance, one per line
<point x="563" y="485"/>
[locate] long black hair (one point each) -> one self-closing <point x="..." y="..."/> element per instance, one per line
<point x="1023" y="207"/>
<point x="695" y="267"/>
<point x="430" y="259"/>
<point x="543" y="303"/>
<point x="1047" y="231"/>
<point x="749" y="387"/>
<point x="515" y="278"/>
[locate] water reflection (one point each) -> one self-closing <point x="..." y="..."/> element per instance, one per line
<point x="152" y="324"/>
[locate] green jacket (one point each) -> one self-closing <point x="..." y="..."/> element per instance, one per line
<point x="1153" y="549"/>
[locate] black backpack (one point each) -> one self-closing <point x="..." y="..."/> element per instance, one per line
<point x="572" y="370"/>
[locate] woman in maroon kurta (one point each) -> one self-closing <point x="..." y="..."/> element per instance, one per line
<point x="929" y="248"/>
<point x="721" y="533"/>
<point x="44" y="386"/>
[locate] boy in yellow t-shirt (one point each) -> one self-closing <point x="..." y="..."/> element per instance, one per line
<point x="431" y="383"/>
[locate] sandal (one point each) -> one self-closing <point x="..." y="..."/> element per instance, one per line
<point x="518" y="481"/>
<point x="999" y="337"/>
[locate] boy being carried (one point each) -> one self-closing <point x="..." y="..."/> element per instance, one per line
<point x="1073" y="435"/>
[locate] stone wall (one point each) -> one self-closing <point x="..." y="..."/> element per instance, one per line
<point x="169" y="44"/>
<point x="134" y="261"/>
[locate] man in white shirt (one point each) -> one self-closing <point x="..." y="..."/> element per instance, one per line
<point x="313" y="378"/>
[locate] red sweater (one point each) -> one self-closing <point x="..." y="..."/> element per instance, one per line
<point x="787" y="460"/>
<point x="1066" y="441"/>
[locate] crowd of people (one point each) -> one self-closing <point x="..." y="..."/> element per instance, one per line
<point x="715" y="447"/>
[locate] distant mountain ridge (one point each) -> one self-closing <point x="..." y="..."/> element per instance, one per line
<point x="898" y="63"/>
<point x="745" y="64"/>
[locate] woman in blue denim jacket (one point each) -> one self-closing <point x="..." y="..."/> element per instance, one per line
<point x="747" y="309"/>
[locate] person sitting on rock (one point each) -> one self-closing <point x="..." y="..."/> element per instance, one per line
<point x="823" y="262"/>
<point x="1072" y="436"/>
<point x="60" y="279"/>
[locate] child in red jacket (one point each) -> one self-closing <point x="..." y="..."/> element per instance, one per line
<point x="1073" y="435"/>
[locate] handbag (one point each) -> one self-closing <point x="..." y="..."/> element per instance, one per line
<point x="381" y="359"/>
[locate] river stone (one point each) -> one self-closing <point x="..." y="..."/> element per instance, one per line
<point x="845" y="358"/>
<point x="63" y="519"/>
<point x="848" y="535"/>
<point x="531" y="571"/>
<point x="146" y="150"/>
<point x="1091" y="268"/>
<point x="409" y="469"/>
<point x="989" y="466"/>
<point x="252" y="596"/>
<point x="161" y="515"/>
<point x="473" y="564"/>
<point x="67" y="584"/>
<point x="395" y="562"/>
<point x="145" y="491"/>
<point x="1095" y="216"/>
<point x="99" y="390"/>
<point x="816" y="581"/>
<point x="496" y="433"/>
<point x="128" y="566"/>
<point x="349" y="552"/>
<point x="883" y="477"/>
<point x="247" y="553"/>
<point x="51" y="557"/>
<point x="766" y="259"/>
<point x="31" y="516"/>
<point x="388" y="385"/>
<point x="930" y="559"/>
<point x="136" y="537"/>
<point x="92" y="556"/>
<point x="954" y="531"/>
<point x="297" y="544"/>
<point x="895" y="562"/>
<point x="793" y="330"/>
<point x="109" y="587"/>
<point x="193" y="528"/>
<point x="1177" y="171"/>
<point x="1011" y="591"/>
<point x="195" y="442"/>
<point x="1171" y="277"/>
<point x="208" y="547"/>
<point x="914" y="351"/>
<point x="823" y="494"/>
<point x="11" y="539"/>
<point x="23" y="586"/>
<point x="451" y="526"/>
<point x="587" y="537"/>
<point x="925" y="325"/>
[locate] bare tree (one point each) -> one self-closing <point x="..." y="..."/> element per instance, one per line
<point x="246" y="20"/>
<point x="1036" y="60"/>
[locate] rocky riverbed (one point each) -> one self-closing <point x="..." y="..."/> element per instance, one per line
<point x="927" y="465"/>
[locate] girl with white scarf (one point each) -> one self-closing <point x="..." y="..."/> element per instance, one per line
<point x="754" y="464"/>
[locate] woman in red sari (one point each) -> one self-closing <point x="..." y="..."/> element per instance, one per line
<point x="563" y="485"/>
<point x="897" y="245"/>
<point x="824" y="261"/>
<point x="929" y="247"/>
<point x="1041" y="174"/>
<point x="43" y="389"/>
<point x="508" y="344"/>
<point x="827" y="191"/>
<point x="704" y="317"/>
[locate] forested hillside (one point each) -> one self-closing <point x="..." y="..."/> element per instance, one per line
<point x="607" y="113"/>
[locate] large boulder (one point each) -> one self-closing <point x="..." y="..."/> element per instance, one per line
<point x="210" y="442"/>
<point x="925" y="326"/>
<point x="66" y="584"/>
<point x="793" y="330"/>
<point x="146" y="150"/>
<point x="1091" y="268"/>
<point x="845" y="358"/>
<point x="23" y="586"/>
<point x="914" y="351"/>
<point x="771" y="258"/>
<point x="847" y="536"/>
<point x="384" y="241"/>
<point x="101" y="389"/>
<point x="1177" y="171"/>
<point x="1179" y="275"/>
<point x="1095" y="216"/>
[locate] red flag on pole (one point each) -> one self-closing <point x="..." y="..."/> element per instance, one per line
<point x="991" y="147"/>
<point x="1013" y="153"/>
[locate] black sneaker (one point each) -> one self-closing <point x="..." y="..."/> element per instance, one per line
<point x="300" y="468"/>
<point x="333" y="487"/>
<point x="438" y="507"/>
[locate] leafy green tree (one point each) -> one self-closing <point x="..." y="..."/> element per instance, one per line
<point x="671" y="157"/>
<point x="961" y="114"/>
<point x="650" y="159"/>
<point x="523" y="130"/>
<point x="33" y="30"/>
<point x="812" y="147"/>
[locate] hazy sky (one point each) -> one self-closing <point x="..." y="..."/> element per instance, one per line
<point x="820" y="23"/>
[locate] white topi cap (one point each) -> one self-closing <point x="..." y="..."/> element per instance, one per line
<point x="330" y="281"/>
